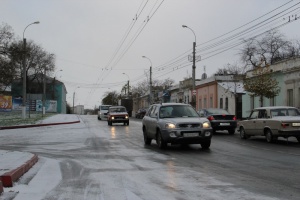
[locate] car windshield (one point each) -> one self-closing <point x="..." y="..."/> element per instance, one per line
<point x="285" y="112"/>
<point x="104" y="107"/>
<point x="117" y="110"/>
<point x="174" y="111"/>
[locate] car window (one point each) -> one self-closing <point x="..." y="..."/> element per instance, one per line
<point x="262" y="114"/>
<point x="154" y="112"/>
<point x="285" y="112"/>
<point x="254" y="114"/>
<point x="214" y="111"/>
<point x="183" y="111"/>
<point x="104" y="107"/>
<point x="165" y="111"/>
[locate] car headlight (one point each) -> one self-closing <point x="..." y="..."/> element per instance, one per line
<point x="112" y="117"/>
<point x="170" y="125"/>
<point x="206" y="125"/>
<point x="126" y="117"/>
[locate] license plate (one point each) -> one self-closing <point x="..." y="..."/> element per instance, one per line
<point x="190" y="134"/>
<point x="295" y="124"/>
<point x="224" y="124"/>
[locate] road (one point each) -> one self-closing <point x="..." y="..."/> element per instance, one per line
<point x="97" y="161"/>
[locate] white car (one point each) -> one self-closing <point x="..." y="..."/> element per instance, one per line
<point x="102" y="113"/>
<point x="271" y="122"/>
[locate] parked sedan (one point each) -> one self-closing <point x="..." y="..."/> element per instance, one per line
<point x="117" y="114"/>
<point x="175" y="123"/>
<point x="220" y="119"/>
<point x="271" y="122"/>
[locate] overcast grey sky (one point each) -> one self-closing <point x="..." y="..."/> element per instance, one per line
<point x="96" y="41"/>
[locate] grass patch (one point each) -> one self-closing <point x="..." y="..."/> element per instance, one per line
<point x="15" y="118"/>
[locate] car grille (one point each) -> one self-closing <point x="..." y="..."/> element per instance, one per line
<point x="119" y="117"/>
<point x="189" y="125"/>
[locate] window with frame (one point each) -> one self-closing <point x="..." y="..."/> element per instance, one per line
<point x="290" y="97"/>
<point x="200" y="103"/>
<point x="205" y="103"/>
<point x="211" y="102"/>
<point x="226" y="103"/>
<point x="221" y="103"/>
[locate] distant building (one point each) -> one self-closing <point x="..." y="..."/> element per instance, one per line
<point x="55" y="92"/>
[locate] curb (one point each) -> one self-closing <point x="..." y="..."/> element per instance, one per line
<point x="8" y="178"/>
<point x="37" y="125"/>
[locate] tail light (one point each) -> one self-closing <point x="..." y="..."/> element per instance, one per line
<point x="284" y="125"/>
<point x="210" y="118"/>
<point x="234" y="117"/>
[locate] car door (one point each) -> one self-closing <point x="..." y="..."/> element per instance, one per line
<point x="153" y="121"/>
<point x="250" y="124"/>
<point x="260" y="122"/>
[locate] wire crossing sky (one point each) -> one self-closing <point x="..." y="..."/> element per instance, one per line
<point x="96" y="42"/>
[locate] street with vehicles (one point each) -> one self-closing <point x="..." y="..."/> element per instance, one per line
<point x="90" y="160"/>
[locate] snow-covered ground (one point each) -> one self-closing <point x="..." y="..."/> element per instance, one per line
<point x="41" y="181"/>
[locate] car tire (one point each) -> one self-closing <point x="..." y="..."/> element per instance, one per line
<point x="269" y="136"/>
<point x="147" y="140"/>
<point x="231" y="131"/>
<point x="160" y="141"/>
<point x="205" y="144"/>
<point x="108" y="123"/>
<point x="243" y="134"/>
<point x="99" y="118"/>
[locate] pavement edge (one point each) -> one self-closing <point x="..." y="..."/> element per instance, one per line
<point x="8" y="178"/>
<point x="37" y="125"/>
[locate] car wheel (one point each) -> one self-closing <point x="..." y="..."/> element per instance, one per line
<point x="147" y="140"/>
<point x="243" y="134"/>
<point x="269" y="136"/>
<point x="160" y="141"/>
<point x="231" y="131"/>
<point x="99" y="118"/>
<point x="108" y="123"/>
<point x="205" y="144"/>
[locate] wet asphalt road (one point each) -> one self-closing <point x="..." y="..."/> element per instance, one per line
<point x="98" y="161"/>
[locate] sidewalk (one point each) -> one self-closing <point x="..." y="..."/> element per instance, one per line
<point x="14" y="164"/>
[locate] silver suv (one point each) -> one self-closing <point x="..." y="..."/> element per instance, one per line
<point x="102" y="113"/>
<point x="176" y="123"/>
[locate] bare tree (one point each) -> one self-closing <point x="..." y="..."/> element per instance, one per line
<point x="262" y="84"/>
<point x="110" y="98"/>
<point x="37" y="62"/>
<point x="7" y="70"/>
<point x="234" y="68"/>
<point x="268" y="49"/>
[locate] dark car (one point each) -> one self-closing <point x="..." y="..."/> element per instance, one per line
<point x="117" y="114"/>
<point x="140" y="113"/>
<point x="175" y="123"/>
<point x="220" y="119"/>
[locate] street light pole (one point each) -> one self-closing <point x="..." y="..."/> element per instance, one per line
<point x="150" y="89"/>
<point x="193" y="67"/>
<point x="74" y="98"/>
<point x="24" y="72"/>
<point x="127" y="85"/>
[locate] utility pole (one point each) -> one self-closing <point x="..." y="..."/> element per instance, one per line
<point x="150" y="85"/>
<point x="150" y="98"/>
<point x="44" y="92"/>
<point x="128" y="88"/>
<point x="194" y="72"/>
<point x="24" y="80"/>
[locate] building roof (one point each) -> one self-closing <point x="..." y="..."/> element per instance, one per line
<point x="234" y="87"/>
